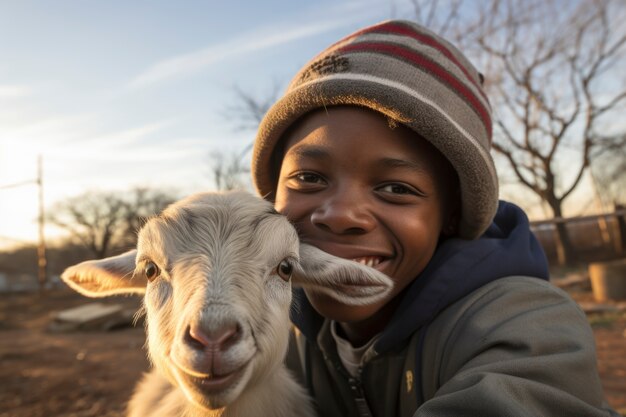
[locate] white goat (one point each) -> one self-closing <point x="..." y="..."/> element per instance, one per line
<point x="215" y="270"/>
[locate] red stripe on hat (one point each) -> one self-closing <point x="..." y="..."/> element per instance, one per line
<point x="432" y="67"/>
<point x="399" y="29"/>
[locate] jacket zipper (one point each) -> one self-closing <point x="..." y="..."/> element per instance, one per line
<point x="356" y="387"/>
<point x="359" y="397"/>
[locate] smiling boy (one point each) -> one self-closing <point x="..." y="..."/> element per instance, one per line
<point x="384" y="205"/>
<point x="379" y="152"/>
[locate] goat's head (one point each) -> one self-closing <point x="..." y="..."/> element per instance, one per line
<point x="216" y="270"/>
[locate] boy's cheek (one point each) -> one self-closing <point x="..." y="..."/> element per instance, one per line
<point x="288" y="204"/>
<point x="281" y="204"/>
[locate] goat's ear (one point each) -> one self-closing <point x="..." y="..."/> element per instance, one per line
<point x="346" y="281"/>
<point x="104" y="277"/>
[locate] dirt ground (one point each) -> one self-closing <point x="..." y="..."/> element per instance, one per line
<point x="77" y="374"/>
<point x="88" y="374"/>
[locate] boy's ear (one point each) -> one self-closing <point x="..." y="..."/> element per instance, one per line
<point x="346" y="281"/>
<point x="104" y="277"/>
<point x="451" y="227"/>
<point x="453" y="216"/>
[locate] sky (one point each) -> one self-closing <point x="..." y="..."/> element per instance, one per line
<point x="118" y="94"/>
<point x="115" y="95"/>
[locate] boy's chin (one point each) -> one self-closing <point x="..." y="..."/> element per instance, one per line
<point x="337" y="311"/>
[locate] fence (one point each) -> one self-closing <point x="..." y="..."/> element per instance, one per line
<point x="594" y="238"/>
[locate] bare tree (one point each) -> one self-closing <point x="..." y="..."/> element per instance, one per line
<point x="608" y="166"/>
<point x="140" y="204"/>
<point x="554" y="72"/>
<point x="249" y="109"/>
<point x="95" y="219"/>
<point x="105" y="221"/>
<point x="439" y="16"/>
<point x="228" y="171"/>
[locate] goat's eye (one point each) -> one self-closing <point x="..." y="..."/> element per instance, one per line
<point x="284" y="269"/>
<point x="151" y="270"/>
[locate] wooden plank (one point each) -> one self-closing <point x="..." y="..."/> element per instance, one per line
<point x="94" y="316"/>
<point x="88" y="312"/>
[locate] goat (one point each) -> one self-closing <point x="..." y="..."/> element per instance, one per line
<point x="216" y="271"/>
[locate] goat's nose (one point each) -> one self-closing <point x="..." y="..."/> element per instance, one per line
<point x="215" y="339"/>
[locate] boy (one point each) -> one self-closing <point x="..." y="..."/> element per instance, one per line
<point x="379" y="152"/>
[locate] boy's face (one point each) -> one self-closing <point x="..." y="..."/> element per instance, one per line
<point x="359" y="189"/>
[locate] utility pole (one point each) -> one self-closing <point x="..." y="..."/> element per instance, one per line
<point x="42" y="262"/>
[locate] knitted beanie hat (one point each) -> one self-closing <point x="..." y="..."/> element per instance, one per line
<point x="411" y="75"/>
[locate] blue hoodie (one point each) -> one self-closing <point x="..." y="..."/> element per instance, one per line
<point x="457" y="268"/>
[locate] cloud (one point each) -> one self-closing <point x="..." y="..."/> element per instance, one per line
<point x="150" y="142"/>
<point x="128" y="137"/>
<point x="68" y="142"/>
<point x="35" y="130"/>
<point x="266" y="37"/>
<point x="8" y="91"/>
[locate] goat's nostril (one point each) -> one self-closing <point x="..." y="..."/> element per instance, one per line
<point x="214" y="339"/>
<point x="194" y="339"/>
<point x="229" y="336"/>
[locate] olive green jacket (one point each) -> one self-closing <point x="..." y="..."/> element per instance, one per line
<point x="515" y="347"/>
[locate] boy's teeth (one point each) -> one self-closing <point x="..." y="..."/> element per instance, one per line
<point x="368" y="260"/>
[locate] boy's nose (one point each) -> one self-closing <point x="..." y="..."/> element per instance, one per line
<point x="343" y="214"/>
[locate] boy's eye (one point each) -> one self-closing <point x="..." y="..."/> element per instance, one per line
<point x="397" y="189"/>
<point x="306" y="181"/>
<point x="309" y="177"/>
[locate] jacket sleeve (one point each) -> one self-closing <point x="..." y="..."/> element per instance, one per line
<point x="517" y="347"/>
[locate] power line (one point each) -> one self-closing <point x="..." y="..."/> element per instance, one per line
<point x="19" y="184"/>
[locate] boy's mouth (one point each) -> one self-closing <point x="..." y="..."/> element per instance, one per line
<point x="365" y="255"/>
<point x="370" y="261"/>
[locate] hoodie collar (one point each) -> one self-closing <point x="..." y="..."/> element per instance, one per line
<point x="457" y="268"/>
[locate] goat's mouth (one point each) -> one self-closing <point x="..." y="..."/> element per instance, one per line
<point x="213" y="384"/>
<point x="209" y="383"/>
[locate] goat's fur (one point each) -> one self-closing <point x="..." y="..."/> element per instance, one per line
<point x="218" y="256"/>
